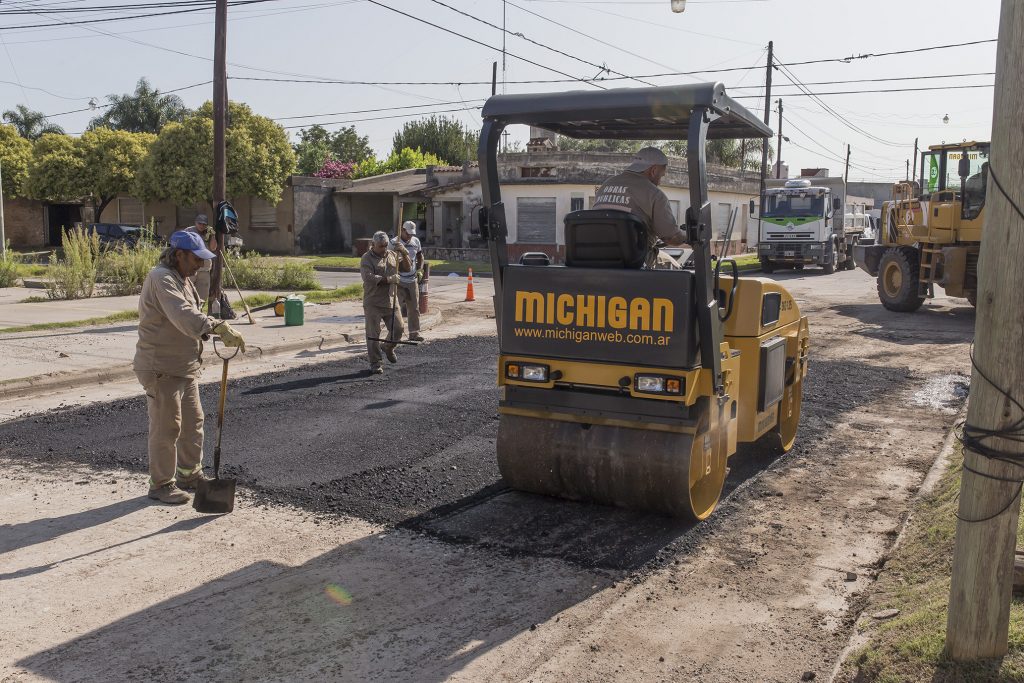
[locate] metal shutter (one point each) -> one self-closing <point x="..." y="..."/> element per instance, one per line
<point x="262" y="215"/>
<point x="535" y="220"/>
<point x="129" y="211"/>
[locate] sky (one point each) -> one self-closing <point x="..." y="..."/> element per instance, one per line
<point x="435" y="56"/>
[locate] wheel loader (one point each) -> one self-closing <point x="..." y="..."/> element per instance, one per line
<point x="930" y="232"/>
<point x="623" y="385"/>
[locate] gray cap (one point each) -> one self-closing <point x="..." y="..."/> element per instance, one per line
<point x="381" y="237"/>
<point x="647" y="157"/>
<point x="201" y="218"/>
<point x="409" y="227"/>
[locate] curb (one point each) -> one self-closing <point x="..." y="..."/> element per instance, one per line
<point x="17" y="388"/>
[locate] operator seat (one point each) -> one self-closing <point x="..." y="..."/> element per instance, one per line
<point x="605" y="238"/>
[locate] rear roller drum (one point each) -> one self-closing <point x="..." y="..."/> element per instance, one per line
<point x="676" y="474"/>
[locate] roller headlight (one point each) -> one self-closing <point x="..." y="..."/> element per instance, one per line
<point x="658" y="384"/>
<point x="527" y="372"/>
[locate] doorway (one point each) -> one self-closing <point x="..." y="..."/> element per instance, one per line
<point x="60" y="217"/>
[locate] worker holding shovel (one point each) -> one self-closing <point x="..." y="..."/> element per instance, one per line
<point x="168" y="358"/>
<point x="380" y="269"/>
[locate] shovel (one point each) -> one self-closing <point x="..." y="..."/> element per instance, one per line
<point x="217" y="496"/>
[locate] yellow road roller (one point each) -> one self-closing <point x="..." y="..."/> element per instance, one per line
<point x="623" y="385"/>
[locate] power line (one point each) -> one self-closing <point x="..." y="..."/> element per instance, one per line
<point x="600" y="67"/>
<point x="377" y="118"/>
<point x="880" y="80"/>
<point x="479" y="42"/>
<point x="869" y="92"/>
<point x="103" y="106"/>
<point x="370" y="111"/>
<point x="134" y="16"/>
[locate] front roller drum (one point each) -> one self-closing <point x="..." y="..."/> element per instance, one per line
<point x="681" y="475"/>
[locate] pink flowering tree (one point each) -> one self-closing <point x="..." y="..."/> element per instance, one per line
<point x="334" y="169"/>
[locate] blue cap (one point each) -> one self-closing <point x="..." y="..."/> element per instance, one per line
<point x="190" y="241"/>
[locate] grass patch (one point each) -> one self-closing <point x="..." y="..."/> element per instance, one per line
<point x="262" y="272"/>
<point x="746" y="260"/>
<point x="123" y="316"/>
<point x="909" y="647"/>
<point x="445" y="266"/>
<point x="35" y="299"/>
<point x="317" y="296"/>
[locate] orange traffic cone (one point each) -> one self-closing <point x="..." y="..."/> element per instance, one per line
<point x="469" y="287"/>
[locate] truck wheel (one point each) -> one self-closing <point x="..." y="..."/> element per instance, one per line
<point x="850" y="262"/>
<point x="972" y="298"/>
<point x="766" y="266"/>
<point x="897" y="280"/>
<point x="830" y="267"/>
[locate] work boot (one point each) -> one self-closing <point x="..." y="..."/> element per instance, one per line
<point x="189" y="482"/>
<point x="170" y="494"/>
<point x="389" y="353"/>
<point x="415" y="336"/>
<point x="376" y="370"/>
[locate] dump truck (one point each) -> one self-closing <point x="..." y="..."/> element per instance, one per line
<point x="628" y="386"/>
<point x="930" y="231"/>
<point x="803" y="221"/>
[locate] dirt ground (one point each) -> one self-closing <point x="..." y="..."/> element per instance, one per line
<point x="345" y="560"/>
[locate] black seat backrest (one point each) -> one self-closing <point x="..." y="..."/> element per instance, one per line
<point x="604" y="238"/>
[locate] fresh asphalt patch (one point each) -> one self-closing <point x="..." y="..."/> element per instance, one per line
<point x="415" y="448"/>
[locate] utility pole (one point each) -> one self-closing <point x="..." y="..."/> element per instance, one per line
<point x="494" y="79"/>
<point x="3" y="238"/>
<point x="220" y="105"/>
<point x="846" y="173"/>
<point x="504" y="9"/>
<point x="908" y="170"/>
<point x="914" y="174"/>
<point x="990" y="489"/>
<point x="778" y="149"/>
<point x="767" y="121"/>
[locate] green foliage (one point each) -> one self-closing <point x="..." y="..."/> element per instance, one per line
<point x="444" y="137"/>
<point x="112" y="158"/>
<point x="30" y="124"/>
<point x="254" y="271"/>
<point x="398" y="161"/>
<point x="56" y="170"/>
<point x="74" y="275"/>
<point x="619" y="146"/>
<point x="317" y="144"/>
<point x="9" y="262"/>
<point x="144" y="111"/>
<point x="124" y="268"/>
<point x="723" y="152"/>
<point x="15" y="153"/>
<point x="179" y="166"/>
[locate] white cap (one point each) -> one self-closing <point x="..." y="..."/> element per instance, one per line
<point x="647" y="157"/>
<point x="409" y="227"/>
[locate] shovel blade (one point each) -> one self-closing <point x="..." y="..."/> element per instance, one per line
<point x="216" y="496"/>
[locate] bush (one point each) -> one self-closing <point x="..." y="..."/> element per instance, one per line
<point x="260" y="272"/>
<point x="124" y="268"/>
<point x="74" y="275"/>
<point x="9" y="266"/>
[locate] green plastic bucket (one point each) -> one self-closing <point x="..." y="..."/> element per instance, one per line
<point x="294" y="313"/>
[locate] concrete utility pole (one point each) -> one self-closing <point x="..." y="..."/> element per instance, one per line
<point x="778" y="149"/>
<point x="846" y="173"/>
<point x="982" y="581"/>
<point x="220" y="105"/>
<point x="767" y="122"/>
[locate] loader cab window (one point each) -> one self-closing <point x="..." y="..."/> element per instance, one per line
<point x="940" y="171"/>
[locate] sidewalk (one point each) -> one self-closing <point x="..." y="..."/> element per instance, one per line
<point x="85" y="356"/>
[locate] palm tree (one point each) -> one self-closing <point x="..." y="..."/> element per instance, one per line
<point x="144" y="111"/>
<point x="30" y="124"/>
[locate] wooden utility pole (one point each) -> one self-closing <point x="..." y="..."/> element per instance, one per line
<point x="220" y="106"/>
<point x="778" y="149"/>
<point x="980" y="593"/>
<point x="3" y="237"/>
<point x="913" y="176"/>
<point x="767" y="122"/>
<point x="846" y="172"/>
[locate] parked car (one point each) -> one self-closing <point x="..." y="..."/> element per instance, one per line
<point x="113" y="234"/>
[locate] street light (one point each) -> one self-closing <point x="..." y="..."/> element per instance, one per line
<point x="678" y="6"/>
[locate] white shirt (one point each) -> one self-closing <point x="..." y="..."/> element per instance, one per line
<point x="413" y="246"/>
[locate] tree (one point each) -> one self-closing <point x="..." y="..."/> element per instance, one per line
<point x="441" y="136"/>
<point x="30" y="124"/>
<point x="398" y="161"/>
<point x="179" y="165"/>
<point x="317" y="145"/>
<point x="15" y="152"/>
<point x="56" y="170"/>
<point x="144" y="111"/>
<point x="587" y="145"/>
<point x="112" y="159"/>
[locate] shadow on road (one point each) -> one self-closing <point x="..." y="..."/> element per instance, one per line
<point x="16" y="536"/>
<point x="393" y="606"/>
<point x="927" y="325"/>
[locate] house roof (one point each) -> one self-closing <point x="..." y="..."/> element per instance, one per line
<point x="410" y="181"/>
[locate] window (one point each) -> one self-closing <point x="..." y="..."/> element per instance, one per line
<point x="535" y="220"/>
<point x="576" y="202"/>
<point x="537" y="172"/>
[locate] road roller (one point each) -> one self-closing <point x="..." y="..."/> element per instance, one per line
<point x="622" y="385"/>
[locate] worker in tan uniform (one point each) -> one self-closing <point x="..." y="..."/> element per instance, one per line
<point x="168" y="358"/>
<point x="202" y="276"/>
<point x="380" y="269"/>
<point x="636" y="190"/>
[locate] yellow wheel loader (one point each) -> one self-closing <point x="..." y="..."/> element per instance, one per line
<point x="930" y="233"/>
<point x="623" y="385"/>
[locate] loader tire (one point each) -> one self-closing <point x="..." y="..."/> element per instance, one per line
<point x="767" y="267"/>
<point x="898" y="273"/>
<point x="850" y="263"/>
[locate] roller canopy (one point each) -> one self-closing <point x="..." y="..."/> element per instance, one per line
<point x="661" y="113"/>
